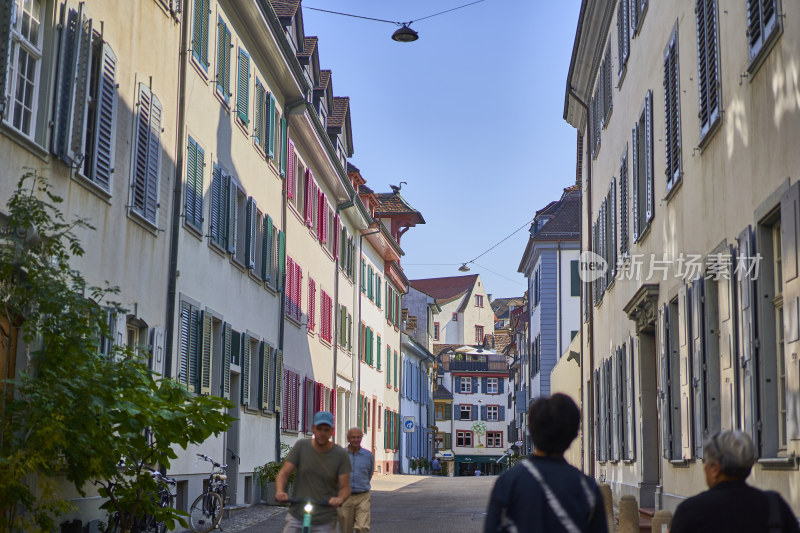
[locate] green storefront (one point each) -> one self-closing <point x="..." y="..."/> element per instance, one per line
<point x="466" y="465"/>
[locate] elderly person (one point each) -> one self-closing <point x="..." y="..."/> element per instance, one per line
<point x="730" y="504"/>
<point x="544" y="493"/>
<point x="355" y="513"/>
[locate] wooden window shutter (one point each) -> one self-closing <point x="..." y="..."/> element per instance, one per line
<point x="630" y="426"/>
<point x="265" y="355"/>
<point x="790" y="264"/>
<point x="100" y="160"/>
<point x="258" y="111"/>
<point x="648" y="147"/>
<point x="289" y="286"/>
<point x="290" y="177"/>
<point x="246" y="369"/>
<point x="281" y="260"/>
<point x="190" y="207"/>
<point x="270" y="125"/>
<point x="663" y="357"/>
<point x="749" y="358"/>
<point x="226" y="360"/>
<point x="685" y="372"/>
<point x="250" y="233"/>
<point x="707" y="64"/>
<point x="623" y="36"/>
<point x="267" y="248"/>
<point x="277" y="380"/>
<point x="72" y="93"/>
<point x="147" y="153"/>
<point x="635" y="197"/>
<point x="5" y="48"/>
<point x="224" y="60"/>
<point x="672" y="122"/>
<point x="186" y="347"/>
<point x="200" y="32"/>
<point x="206" y="322"/>
<point x="623" y="204"/>
<point x="243" y="87"/>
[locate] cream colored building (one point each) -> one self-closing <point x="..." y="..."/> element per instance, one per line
<point x="566" y="379"/>
<point x="86" y="104"/>
<point x="688" y="170"/>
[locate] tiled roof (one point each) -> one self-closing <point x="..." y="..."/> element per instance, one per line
<point x="500" y="305"/>
<point x="285" y="8"/>
<point x="363" y="189"/>
<point x="394" y="204"/>
<point x="340" y="106"/>
<point x="500" y="340"/>
<point x="324" y="79"/>
<point x="352" y="168"/>
<point x="309" y="45"/>
<point x="548" y="209"/>
<point x="444" y="288"/>
<point x="441" y="393"/>
<point x="565" y="223"/>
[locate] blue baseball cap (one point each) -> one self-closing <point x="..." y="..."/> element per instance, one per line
<point x="323" y="417"/>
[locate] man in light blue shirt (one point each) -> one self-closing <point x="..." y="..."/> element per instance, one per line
<point x="354" y="513"/>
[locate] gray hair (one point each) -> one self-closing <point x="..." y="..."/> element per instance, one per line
<point x="733" y="451"/>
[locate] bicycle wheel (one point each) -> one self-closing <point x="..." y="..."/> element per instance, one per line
<point x="205" y="512"/>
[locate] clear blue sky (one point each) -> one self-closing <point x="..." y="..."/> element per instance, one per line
<point x="470" y="115"/>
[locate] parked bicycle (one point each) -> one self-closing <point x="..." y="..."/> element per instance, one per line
<point x="148" y="523"/>
<point x="206" y="511"/>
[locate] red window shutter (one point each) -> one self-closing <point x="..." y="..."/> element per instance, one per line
<point x="290" y="172"/>
<point x="296" y="402"/>
<point x="312" y="290"/>
<point x="305" y="405"/>
<point x="298" y="287"/>
<point x="289" y="282"/>
<point x="285" y="409"/>
<point x="307" y="201"/>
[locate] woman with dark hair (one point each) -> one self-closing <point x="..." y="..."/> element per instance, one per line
<point x="544" y="493"/>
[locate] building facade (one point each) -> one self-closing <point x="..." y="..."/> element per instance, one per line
<point x="685" y="158"/>
<point x="416" y="402"/>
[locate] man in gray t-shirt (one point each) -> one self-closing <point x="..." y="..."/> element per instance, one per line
<point x="323" y="473"/>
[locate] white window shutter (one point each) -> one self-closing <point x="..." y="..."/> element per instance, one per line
<point x="250" y="234"/>
<point x="105" y="127"/>
<point x="157" y="342"/>
<point x="275" y="399"/>
<point x="685" y="372"/>
<point x="648" y="139"/>
<point x="265" y="353"/>
<point x="635" y="212"/>
<point x="206" y="323"/>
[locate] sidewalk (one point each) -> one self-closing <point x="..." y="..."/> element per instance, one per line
<point x="393" y="482"/>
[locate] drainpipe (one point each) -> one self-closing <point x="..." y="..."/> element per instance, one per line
<point x="172" y="271"/>
<point x="590" y="321"/>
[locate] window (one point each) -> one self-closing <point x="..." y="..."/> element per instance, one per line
<point x="263" y="135"/>
<point x="574" y="278"/>
<point x="223" y="60"/>
<point x="623" y="36"/>
<point x="312" y="307"/>
<point x="195" y="169"/>
<point x="492" y="413"/>
<point x="436" y="331"/>
<point x="492" y="386"/>
<point x="638" y="10"/>
<point x="672" y="112"/>
<point x="200" y="32"/>
<point x="464" y="439"/>
<point x="494" y="439"/>
<point x="465" y="412"/>
<point x="624" y="245"/>
<point x="707" y="64"/>
<point x="643" y="200"/>
<point x="465" y="386"/>
<point x="478" y="334"/>
<point x="269" y="264"/>
<point x="146" y="155"/>
<point x="290" y="419"/>
<point x="326" y="312"/>
<point x="455" y="317"/>
<point x="26" y="56"/>
<point x="294" y="290"/>
<point x="478" y="300"/>
<point x="378" y="285"/>
<point x="243" y="88"/>
<point x="670" y="378"/>
<point x="763" y="22"/>
<point x="253" y="350"/>
<point x="190" y="339"/>
<point x="378" y="351"/>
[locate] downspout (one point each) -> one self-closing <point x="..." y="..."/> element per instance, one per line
<point x="590" y="320"/>
<point x="172" y="271"/>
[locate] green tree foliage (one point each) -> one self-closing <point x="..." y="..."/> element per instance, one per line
<point x="73" y="412"/>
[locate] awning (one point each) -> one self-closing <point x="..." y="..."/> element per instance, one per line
<point x="477" y="458"/>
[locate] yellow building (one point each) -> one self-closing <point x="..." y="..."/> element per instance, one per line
<point x="686" y="114"/>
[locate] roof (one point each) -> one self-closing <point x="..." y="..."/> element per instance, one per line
<point x="341" y="105"/>
<point x="393" y="204"/>
<point x="441" y="393"/>
<point x="445" y="288"/>
<point x="500" y="306"/>
<point x="352" y="168"/>
<point x="310" y="44"/>
<point x="363" y="189"/>
<point x="565" y="224"/>
<point x="500" y="340"/>
<point x="324" y="79"/>
<point x="285" y="8"/>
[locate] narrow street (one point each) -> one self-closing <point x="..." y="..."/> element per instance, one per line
<point x="434" y="504"/>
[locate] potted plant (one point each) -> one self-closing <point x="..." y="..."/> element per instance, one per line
<point x="425" y="464"/>
<point x="412" y="465"/>
<point x="268" y="473"/>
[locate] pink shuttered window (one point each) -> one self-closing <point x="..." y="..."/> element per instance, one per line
<point x="312" y="308"/>
<point x="326" y="316"/>
<point x="336" y="232"/>
<point x="308" y="201"/>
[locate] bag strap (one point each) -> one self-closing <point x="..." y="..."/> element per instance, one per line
<point x="774" y="522"/>
<point x="552" y="499"/>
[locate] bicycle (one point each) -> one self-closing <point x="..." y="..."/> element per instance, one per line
<point x="206" y="510"/>
<point x="165" y="498"/>
<point x="309" y="509"/>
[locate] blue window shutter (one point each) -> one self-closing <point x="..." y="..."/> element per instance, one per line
<point x="224" y="60"/>
<point x="270" y="124"/>
<point x="474" y="385"/>
<point x="250" y="233"/>
<point x="200" y="32"/>
<point x="231" y="214"/>
<point x="484" y="412"/>
<point x="266" y="250"/>
<point x="474" y="412"/>
<point x="458" y="385"/>
<point x="281" y="260"/>
<point x="502" y="413"/>
<point x="243" y="87"/>
<point x="501" y="385"/>
<point x="245" y="369"/>
<point x="457" y="411"/>
<point x="101" y="164"/>
<point x="195" y="167"/>
<point x="147" y="154"/>
<point x="484" y="382"/>
<point x="216" y="226"/>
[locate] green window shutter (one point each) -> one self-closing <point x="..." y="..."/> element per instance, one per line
<point x="363" y="275"/>
<point x="191" y="183"/>
<point x="575" y="280"/>
<point x="388" y="365"/>
<point x="245" y="369"/>
<point x="264" y="354"/>
<point x="378" y="352"/>
<point x="258" y="111"/>
<point x="349" y="332"/>
<point x="388" y="302"/>
<point x="200" y="32"/>
<point x="267" y="250"/>
<point x="275" y="399"/>
<point x="448" y="441"/>
<point x="270" y="124"/>
<point x="359" y="415"/>
<point x="395" y="369"/>
<point x="243" y="87"/>
<point x="448" y="411"/>
<point x="205" y="353"/>
<point x="281" y="260"/>
<point x="226" y="361"/>
<point x="284" y="145"/>
<point x="378" y="291"/>
<point x="224" y="60"/>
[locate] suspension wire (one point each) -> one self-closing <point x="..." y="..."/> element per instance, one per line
<point x="447" y="11"/>
<point x="355" y="16"/>
<point x="501" y="242"/>
<point x="515" y="281"/>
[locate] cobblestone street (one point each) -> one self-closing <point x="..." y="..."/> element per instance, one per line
<point x="436" y="504"/>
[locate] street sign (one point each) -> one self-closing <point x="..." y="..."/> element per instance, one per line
<point x="409" y="425"/>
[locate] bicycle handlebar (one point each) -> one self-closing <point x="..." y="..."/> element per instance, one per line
<point x="210" y="460"/>
<point x="309" y="500"/>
